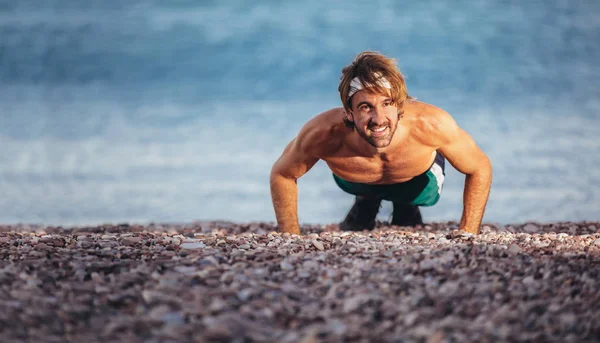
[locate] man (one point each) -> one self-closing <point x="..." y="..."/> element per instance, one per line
<point x="382" y="145"/>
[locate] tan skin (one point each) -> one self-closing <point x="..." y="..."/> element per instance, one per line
<point x="381" y="149"/>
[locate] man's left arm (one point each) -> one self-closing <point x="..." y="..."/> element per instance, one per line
<point x="459" y="148"/>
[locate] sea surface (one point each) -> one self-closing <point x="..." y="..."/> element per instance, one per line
<point x="174" y="111"/>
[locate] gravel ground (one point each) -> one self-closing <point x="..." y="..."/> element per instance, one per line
<point x="226" y="282"/>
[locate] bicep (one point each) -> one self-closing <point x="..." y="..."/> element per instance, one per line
<point x="295" y="161"/>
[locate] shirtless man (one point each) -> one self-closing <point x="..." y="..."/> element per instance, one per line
<point x="382" y="145"/>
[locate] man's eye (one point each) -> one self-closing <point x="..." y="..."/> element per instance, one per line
<point x="364" y="108"/>
<point x="387" y="104"/>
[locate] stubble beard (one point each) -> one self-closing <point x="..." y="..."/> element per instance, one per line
<point x="379" y="142"/>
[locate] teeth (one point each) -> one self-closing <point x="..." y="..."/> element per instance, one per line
<point x="379" y="129"/>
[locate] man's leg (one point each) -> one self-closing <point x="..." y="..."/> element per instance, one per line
<point x="362" y="214"/>
<point x="406" y="215"/>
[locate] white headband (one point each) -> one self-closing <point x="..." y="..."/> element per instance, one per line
<point x="356" y="85"/>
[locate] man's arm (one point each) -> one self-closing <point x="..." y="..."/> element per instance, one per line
<point x="459" y="148"/>
<point x="295" y="161"/>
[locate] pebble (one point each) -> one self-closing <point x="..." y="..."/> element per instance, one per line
<point x="192" y="245"/>
<point x="86" y="244"/>
<point x="443" y="240"/>
<point x="541" y="244"/>
<point x="43" y="247"/>
<point x="129" y="241"/>
<point x="530" y="228"/>
<point x="428" y="264"/>
<point x="514" y="249"/>
<point x="286" y="265"/>
<point x="528" y="280"/>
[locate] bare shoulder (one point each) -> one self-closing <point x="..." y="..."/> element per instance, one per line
<point x="431" y="125"/>
<point x="324" y="133"/>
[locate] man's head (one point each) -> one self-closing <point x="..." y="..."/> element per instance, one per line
<point x="373" y="91"/>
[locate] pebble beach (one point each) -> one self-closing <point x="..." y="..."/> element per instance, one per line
<point x="231" y="282"/>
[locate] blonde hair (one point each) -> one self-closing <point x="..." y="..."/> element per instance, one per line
<point x="369" y="67"/>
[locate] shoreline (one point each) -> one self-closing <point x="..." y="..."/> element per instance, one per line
<point x="534" y="226"/>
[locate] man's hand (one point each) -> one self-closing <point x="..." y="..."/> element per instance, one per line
<point x="470" y="230"/>
<point x="473" y="230"/>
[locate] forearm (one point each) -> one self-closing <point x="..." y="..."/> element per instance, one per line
<point x="284" y="193"/>
<point x="475" y="197"/>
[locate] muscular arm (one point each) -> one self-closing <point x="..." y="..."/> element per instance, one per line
<point x="462" y="152"/>
<point x="299" y="156"/>
<point x="292" y="164"/>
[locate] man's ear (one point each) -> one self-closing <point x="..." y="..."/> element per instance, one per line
<point x="349" y="115"/>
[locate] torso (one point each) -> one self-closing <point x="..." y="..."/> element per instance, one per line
<point x="406" y="157"/>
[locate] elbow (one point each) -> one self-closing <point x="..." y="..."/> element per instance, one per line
<point x="483" y="168"/>
<point x="277" y="175"/>
<point x="276" y="170"/>
<point x="483" y="164"/>
<point x="486" y="165"/>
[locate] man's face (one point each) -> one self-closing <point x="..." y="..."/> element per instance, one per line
<point x="375" y="117"/>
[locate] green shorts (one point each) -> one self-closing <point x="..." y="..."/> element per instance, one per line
<point x="422" y="190"/>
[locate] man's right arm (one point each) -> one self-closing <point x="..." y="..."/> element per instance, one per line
<point x="295" y="161"/>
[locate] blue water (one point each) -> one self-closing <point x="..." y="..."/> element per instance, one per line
<point x="142" y="111"/>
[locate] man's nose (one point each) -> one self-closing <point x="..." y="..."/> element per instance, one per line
<point x="378" y="116"/>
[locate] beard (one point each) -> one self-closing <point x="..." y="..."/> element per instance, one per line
<point x="378" y="141"/>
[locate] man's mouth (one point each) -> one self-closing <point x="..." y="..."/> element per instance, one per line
<point x="378" y="130"/>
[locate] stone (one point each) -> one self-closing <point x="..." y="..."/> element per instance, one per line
<point x="285" y="265"/>
<point x="514" y="249"/>
<point x="437" y="337"/>
<point x="428" y="264"/>
<point x="86" y="244"/>
<point x="352" y="304"/>
<point x="530" y="228"/>
<point x="130" y="241"/>
<point x="528" y="280"/>
<point x="244" y="294"/>
<point x="53" y="241"/>
<point x="318" y="245"/>
<point x="43" y="247"/>
<point x="192" y="245"/>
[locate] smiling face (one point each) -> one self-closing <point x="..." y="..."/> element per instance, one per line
<point x="375" y="117"/>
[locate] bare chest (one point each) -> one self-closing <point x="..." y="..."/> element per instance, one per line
<point x="398" y="167"/>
